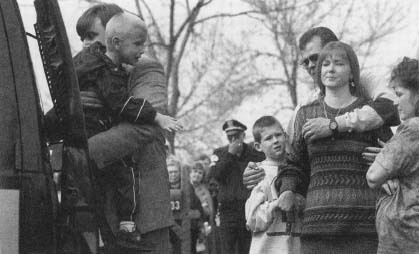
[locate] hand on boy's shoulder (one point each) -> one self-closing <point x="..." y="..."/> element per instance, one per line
<point x="252" y="175"/>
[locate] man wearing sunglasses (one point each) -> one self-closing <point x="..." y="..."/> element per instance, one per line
<point x="380" y="111"/>
<point x="227" y="165"/>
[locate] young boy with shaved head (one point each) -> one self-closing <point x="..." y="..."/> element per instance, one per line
<point x="112" y="135"/>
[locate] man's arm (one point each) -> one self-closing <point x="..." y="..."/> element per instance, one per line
<point x="380" y="109"/>
<point x="114" y="93"/>
<point x="148" y="81"/>
<point x="135" y="108"/>
<point x="380" y="112"/>
<point x="252" y="175"/>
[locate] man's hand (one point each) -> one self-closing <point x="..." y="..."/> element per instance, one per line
<point x="89" y="99"/>
<point x="252" y="175"/>
<point x="286" y="201"/>
<point x="168" y="123"/>
<point x="391" y="186"/>
<point x="235" y="147"/>
<point x="316" y="128"/>
<point x="370" y="153"/>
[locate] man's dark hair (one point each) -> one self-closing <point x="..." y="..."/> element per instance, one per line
<point x="260" y="124"/>
<point x="325" y="34"/>
<point x="102" y="11"/>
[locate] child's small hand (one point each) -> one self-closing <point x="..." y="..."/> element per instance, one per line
<point x="274" y="206"/>
<point x="168" y="123"/>
<point x="286" y="201"/>
<point x="275" y="203"/>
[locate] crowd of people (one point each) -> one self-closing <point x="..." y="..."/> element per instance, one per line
<point x="335" y="180"/>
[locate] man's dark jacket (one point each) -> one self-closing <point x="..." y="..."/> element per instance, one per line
<point x="228" y="169"/>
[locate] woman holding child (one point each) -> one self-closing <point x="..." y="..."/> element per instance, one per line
<point x="398" y="214"/>
<point x="330" y="172"/>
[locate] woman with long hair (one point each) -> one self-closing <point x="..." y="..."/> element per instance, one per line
<point x="330" y="172"/>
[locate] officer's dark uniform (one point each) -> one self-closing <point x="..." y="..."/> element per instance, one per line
<point x="228" y="169"/>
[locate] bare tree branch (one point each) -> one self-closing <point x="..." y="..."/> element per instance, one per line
<point x="346" y="18"/>
<point x="225" y="15"/>
<point x="188" y="20"/>
<point x="137" y="5"/>
<point x="160" y="37"/>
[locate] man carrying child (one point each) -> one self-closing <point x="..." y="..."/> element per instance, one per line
<point x="113" y="130"/>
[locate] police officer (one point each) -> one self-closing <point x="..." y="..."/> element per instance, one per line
<point x="227" y="166"/>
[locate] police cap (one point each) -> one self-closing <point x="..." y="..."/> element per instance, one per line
<point x="233" y="125"/>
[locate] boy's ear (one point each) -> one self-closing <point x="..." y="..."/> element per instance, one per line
<point x="116" y="42"/>
<point x="257" y="146"/>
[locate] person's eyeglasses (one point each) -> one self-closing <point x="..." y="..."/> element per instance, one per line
<point x="311" y="58"/>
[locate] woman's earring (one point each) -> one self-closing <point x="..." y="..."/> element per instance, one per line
<point x="352" y="83"/>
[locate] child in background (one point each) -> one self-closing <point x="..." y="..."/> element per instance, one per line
<point x="271" y="233"/>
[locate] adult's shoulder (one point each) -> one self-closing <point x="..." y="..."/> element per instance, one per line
<point x="375" y="86"/>
<point x="310" y="100"/>
<point x="310" y="104"/>
<point x="217" y="153"/>
<point x="220" y="150"/>
<point x="89" y="59"/>
<point x="147" y="64"/>
<point x="410" y="125"/>
<point x="307" y="108"/>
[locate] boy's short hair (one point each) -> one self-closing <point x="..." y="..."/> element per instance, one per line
<point x="102" y="11"/>
<point x="263" y="122"/>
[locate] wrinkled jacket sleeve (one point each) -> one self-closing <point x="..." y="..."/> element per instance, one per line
<point x="258" y="209"/>
<point x="149" y="82"/>
<point x="221" y="168"/>
<point x="115" y="95"/>
<point x="379" y="111"/>
<point x="294" y="175"/>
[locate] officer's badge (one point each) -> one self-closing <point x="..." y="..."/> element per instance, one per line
<point x="214" y="159"/>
